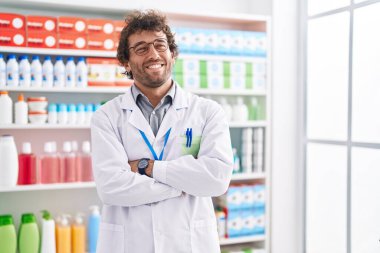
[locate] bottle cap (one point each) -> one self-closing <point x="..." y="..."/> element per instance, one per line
<point x="62" y="108"/>
<point x="6" y="220"/>
<point x="94" y="210"/>
<point x="58" y="58"/>
<point x="35" y="57"/>
<point x="86" y="147"/>
<point x="71" y="108"/>
<point x="89" y="108"/>
<point x="6" y="138"/>
<point x="70" y="58"/>
<point x="48" y="147"/>
<point x="11" y="56"/>
<point x="54" y="146"/>
<point x="96" y="107"/>
<point x="1" y="56"/>
<point x="28" y="218"/>
<point x="46" y="215"/>
<point x="3" y="92"/>
<point x="23" y="57"/>
<point x="74" y="146"/>
<point x="67" y="147"/>
<point x="79" y="218"/>
<point x="52" y="107"/>
<point x="240" y="101"/>
<point x="47" y="58"/>
<point x="20" y="97"/>
<point x="254" y="101"/>
<point x="26" y="148"/>
<point x="81" y="58"/>
<point x="80" y="107"/>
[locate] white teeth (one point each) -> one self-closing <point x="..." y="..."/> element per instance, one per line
<point x="156" y="66"/>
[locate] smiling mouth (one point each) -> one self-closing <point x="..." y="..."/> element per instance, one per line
<point x="155" y="66"/>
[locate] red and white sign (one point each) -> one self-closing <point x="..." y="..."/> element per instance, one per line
<point x="12" y="21"/>
<point x="101" y="42"/>
<point x="41" y="23"/>
<point x="100" y="26"/>
<point x="12" y="38"/>
<point x="72" y="41"/>
<point x="42" y="40"/>
<point x="72" y="25"/>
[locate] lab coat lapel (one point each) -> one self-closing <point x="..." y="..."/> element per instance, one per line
<point x="136" y="118"/>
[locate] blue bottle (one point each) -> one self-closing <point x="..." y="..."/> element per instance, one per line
<point x="93" y="228"/>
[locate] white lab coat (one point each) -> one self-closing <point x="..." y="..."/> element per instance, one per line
<point x="173" y="211"/>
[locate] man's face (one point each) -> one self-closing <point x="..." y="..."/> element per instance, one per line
<point x="153" y="68"/>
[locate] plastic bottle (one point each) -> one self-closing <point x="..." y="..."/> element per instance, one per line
<point x="81" y="115"/>
<point x="63" y="234"/>
<point x="6" y="110"/>
<point x="70" y="72"/>
<point x="247" y="150"/>
<point x="84" y="164"/>
<point x="3" y="72"/>
<point x="81" y="73"/>
<point x="27" y="165"/>
<point x="47" y="233"/>
<point x="47" y="72"/>
<point x="29" y="236"/>
<point x="68" y="163"/>
<point x="240" y="110"/>
<point x="62" y="114"/>
<point x="52" y="114"/>
<point x="12" y="71"/>
<point x="236" y="166"/>
<point x="227" y="108"/>
<point x="24" y="71"/>
<point x="253" y="112"/>
<point x="78" y="233"/>
<point x="8" y="237"/>
<point x="93" y="228"/>
<point x="36" y="72"/>
<point x="89" y="111"/>
<point x="59" y="72"/>
<point x="21" y="110"/>
<point x="71" y="114"/>
<point x="9" y="161"/>
<point x="221" y="222"/>
<point x="49" y="165"/>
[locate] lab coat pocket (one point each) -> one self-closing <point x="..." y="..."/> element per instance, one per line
<point x="190" y="145"/>
<point x="111" y="238"/>
<point x="204" y="236"/>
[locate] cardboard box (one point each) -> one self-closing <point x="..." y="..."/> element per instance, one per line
<point x="12" y="38"/>
<point x="72" y="41"/>
<point x="100" y="26"/>
<point x="42" y="40"/>
<point x="12" y="21"/>
<point x="101" y="42"/>
<point x="119" y="25"/>
<point x="72" y="25"/>
<point x="101" y="71"/>
<point x="41" y="24"/>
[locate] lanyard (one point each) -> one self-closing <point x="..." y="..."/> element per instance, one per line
<point x="151" y="148"/>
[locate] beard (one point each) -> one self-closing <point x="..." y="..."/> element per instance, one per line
<point x="153" y="79"/>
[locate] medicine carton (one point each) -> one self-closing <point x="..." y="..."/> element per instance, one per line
<point x="72" y="25"/>
<point x="191" y="67"/>
<point x="212" y="42"/>
<point x="12" y="21"/>
<point x="225" y="42"/>
<point x="72" y="41"/>
<point x="258" y="191"/>
<point x="235" y="224"/>
<point x="42" y="39"/>
<point x="12" y="38"/>
<point x="118" y="25"/>
<point x="238" y="43"/>
<point x="191" y="81"/>
<point x="100" y="26"/>
<point x="41" y="24"/>
<point x="120" y="78"/>
<point x="184" y="38"/>
<point x="101" y="42"/>
<point x="199" y="41"/>
<point x="101" y="71"/>
<point x="214" y="67"/>
<point x="215" y="82"/>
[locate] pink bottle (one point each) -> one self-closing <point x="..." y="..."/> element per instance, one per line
<point x="49" y="168"/>
<point x="68" y="164"/>
<point x="84" y="165"/>
<point x="26" y="165"/>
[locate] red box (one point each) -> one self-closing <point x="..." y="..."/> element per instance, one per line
<point x="100" y="26"/>
<point x="12" y="21"/>
<point x="12" y="38"/>
<point x="42" y="40"/>
<point x="72" y="41"/>
<point x="41" y="23"/>
<point x="119" y="25"/>
<point x="72" y="25"/>
<point x="101" y="42"/>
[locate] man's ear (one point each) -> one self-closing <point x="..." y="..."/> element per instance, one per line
<point x="127" y="67"/>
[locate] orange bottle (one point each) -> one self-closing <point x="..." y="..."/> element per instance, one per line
<point x="78" y="233"/>
<point x="63" y="235"/>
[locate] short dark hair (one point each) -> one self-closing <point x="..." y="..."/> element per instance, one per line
<point x="137" y="21"/>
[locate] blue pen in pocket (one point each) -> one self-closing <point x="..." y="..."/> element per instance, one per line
<point x="190" y="137"/>
<point x="187" y="138"/>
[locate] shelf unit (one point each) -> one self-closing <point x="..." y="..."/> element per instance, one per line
<point x="238" y="21"/>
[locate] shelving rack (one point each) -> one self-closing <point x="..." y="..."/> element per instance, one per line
<point x="84" y="193"/>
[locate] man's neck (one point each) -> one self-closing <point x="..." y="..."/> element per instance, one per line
<point x="155" y="95"/>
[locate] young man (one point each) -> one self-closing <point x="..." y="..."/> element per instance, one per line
<point x="159" y="153"/>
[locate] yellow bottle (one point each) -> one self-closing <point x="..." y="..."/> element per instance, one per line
<point x="63" y="235"/>
<point x="78" y="233"/>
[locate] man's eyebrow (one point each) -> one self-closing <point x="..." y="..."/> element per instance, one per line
<point x="139" y="43"/>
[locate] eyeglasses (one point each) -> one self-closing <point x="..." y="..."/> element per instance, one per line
<point x="161" y="45"/>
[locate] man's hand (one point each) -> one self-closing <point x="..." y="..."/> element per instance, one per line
<point x="148" y="171"/>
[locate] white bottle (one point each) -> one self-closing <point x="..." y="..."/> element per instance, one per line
<point x="240" y="111"/>
<point x="236" y="165"/>
<point x="47" y="72"/>
<point x="59" y="72"/>
<point x="36" y="72"/>
<point x="62" y="114"/>
<point x="70" y="73"/>
<point x="3" y="72"/>
<point x="21" y="110"/>
<point x="52" y="114"/>
<point x="89" y="111"/>
<point x="71" y="114"/>
<point x="12" y="71"/>
<point x="47" y="233"/>
<point x="9" y="161"/>
<point x="81" y="115"/>
<point x="81" y="73"/>
<point x="24" y="71"/>
<point x="227" y="108"/>
<point x="247" y="150"/>
<point x="5" y="108"/>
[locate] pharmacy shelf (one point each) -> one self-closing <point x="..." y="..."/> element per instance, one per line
<point x="247" y="124"/>
<point x="122" y="89"/>
<point x="43" y="187"/>
<point x="247" y="176"/>
<point x="239" y="240"/>
<point x="219" y="57"/>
